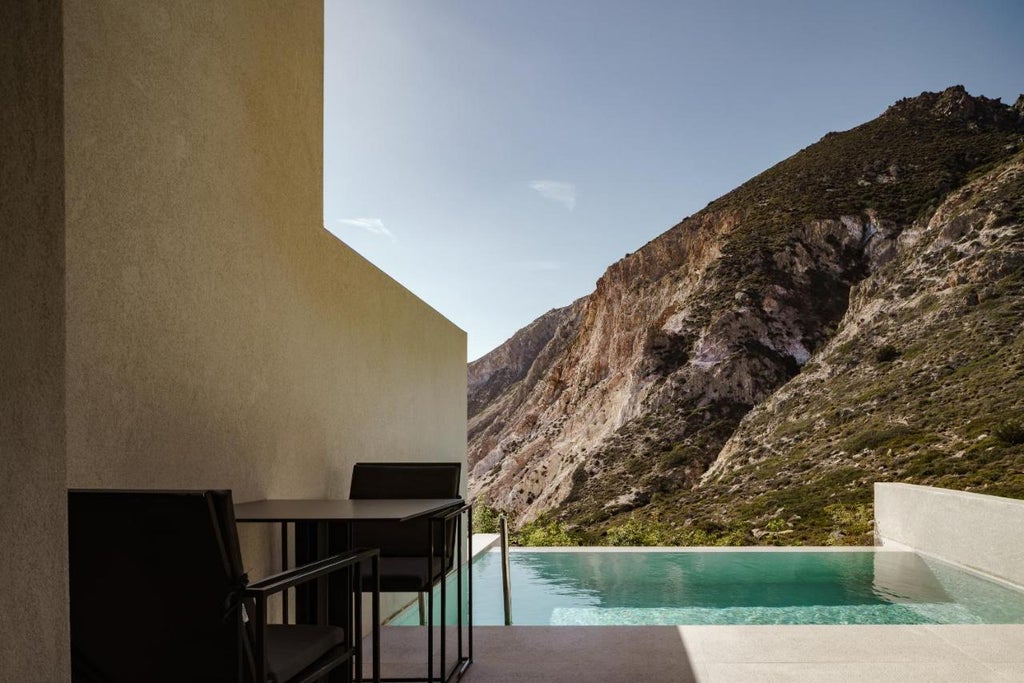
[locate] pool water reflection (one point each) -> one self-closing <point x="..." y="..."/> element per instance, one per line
<point x="735" y="587"/>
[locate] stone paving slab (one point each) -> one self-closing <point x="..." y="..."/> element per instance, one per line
<point x="727" y="654"/>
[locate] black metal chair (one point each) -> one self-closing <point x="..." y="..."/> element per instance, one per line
<point x="158" y="594"/>
<point x="419" y="554"/>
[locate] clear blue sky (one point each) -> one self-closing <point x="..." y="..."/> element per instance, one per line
<point x="495" y="156"/>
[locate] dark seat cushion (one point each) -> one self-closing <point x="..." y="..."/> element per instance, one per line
<point x="290" y="649"/>
<point x="403" y="574"/>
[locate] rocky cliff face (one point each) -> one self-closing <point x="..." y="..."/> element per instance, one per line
<point x="508" y="365"/>
<point x="718" y="357"/>
<point x="923" y="381"/>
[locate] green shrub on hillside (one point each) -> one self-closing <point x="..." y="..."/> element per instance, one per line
<point x="485" y="519"/>
<point x="887" y="354"/>
<point x="546" y="533"/>
<point x="697" y="536"/>
<point x="851" y="523"/>
<point x="636" y="531"/>
<point x="1010" y="432"/>
<point x="890" y="436"/>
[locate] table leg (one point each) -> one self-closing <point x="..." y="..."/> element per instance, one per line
<point x="284" y="567"/>
<point x="339" y="541"/>
<point x="339" y="604"/>
<point x="305" y="552"/>
<point x="324" y="582"/>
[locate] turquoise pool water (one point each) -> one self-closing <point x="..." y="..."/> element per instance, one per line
<point x="734" y="587"/>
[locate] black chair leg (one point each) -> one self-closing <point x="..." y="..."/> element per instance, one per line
<point x="430" y="631"/>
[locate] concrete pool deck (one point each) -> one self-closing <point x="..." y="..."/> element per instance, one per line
<point x="970" y="531"/>
<point x="724" y="654"/>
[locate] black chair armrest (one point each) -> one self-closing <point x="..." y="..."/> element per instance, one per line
<point x="308" y="572"/>
<point x="451" y="512"/>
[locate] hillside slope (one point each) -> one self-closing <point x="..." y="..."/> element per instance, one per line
<point x="759" y="354"/>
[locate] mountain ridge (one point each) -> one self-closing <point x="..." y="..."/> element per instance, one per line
<point x="608" y="409"/>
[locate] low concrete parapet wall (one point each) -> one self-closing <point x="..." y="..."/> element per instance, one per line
<point x="983" y="533"/>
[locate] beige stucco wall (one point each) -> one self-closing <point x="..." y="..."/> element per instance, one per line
<point x="217" y="336"/>
<point x="33" y="506"/>
<point x="973" y="530"/>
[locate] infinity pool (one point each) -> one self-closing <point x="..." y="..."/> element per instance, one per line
<point x="581" y="588"/>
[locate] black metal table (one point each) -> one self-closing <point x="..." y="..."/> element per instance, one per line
<point x="314" y="518"/>
<point x="341" y="510"/>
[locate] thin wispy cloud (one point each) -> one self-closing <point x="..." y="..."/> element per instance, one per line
<point x="374" y="226"/>
<point x="557" y="191"/>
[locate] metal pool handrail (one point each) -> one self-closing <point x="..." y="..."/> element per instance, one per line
<point x="506" y="585"/>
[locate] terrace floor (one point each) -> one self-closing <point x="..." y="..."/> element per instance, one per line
<point x="732" y="654"/>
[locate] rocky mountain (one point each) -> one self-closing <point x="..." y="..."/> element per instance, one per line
<point x="853" y="314"/>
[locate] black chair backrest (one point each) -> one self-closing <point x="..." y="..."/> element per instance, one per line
<point x="153" y="581"/>
<point x="404" y="480"/>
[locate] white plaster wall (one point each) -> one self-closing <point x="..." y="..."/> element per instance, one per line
<point x="985" y="533"/>
<point x="171" y="312"/>
<point x="217" y="336"/>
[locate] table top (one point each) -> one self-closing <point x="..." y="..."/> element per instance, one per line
<point x="341" y="510"/>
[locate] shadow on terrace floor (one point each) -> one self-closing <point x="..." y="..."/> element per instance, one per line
<point x="585" y="654"/>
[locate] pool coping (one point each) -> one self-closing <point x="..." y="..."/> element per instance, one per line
<point x="705" y="549"/>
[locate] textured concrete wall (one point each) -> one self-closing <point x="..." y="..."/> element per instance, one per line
<point x="33" y="507"/>
<point x="969" y="529"/>
<point x="217" y="335"/>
